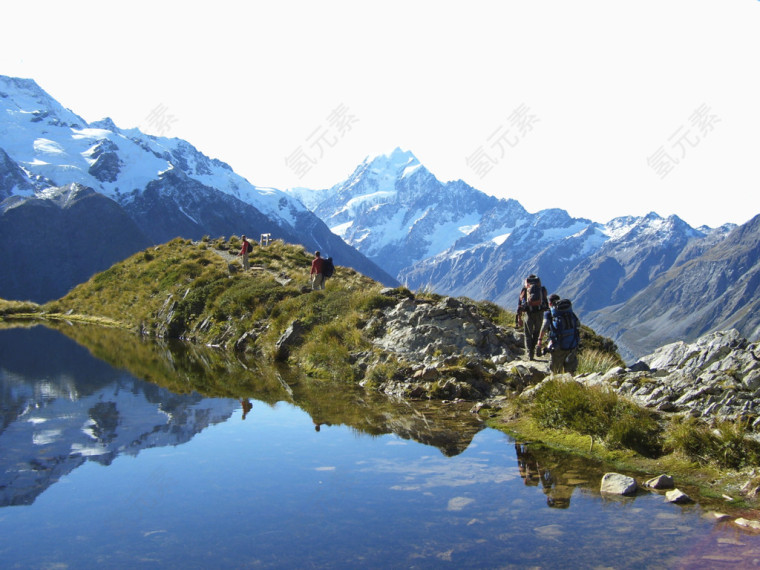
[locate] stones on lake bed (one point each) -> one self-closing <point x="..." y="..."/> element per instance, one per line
<point x="617" y="484"/>
<point x="623" y="485"/>
<point x="720" y="517"/>
<point x="660" y="482"/>
<point x="746" y="523"/>
<point x="677" y="496"/>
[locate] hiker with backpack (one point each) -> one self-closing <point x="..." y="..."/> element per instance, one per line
<point x="564" y="329"/>
<point x="531" y="304"/>
<point x="321" y="269"/>
<point x="244" y="251"/>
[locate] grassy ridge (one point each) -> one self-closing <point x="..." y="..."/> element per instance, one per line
<point x="197" y="291"/>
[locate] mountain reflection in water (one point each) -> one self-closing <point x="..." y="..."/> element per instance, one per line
<point x="117" y="451"/>
<point x="63" y="409"/>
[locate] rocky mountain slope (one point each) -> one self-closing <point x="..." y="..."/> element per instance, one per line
<point x="165" y="186"/>
<point x="52" y="241"/>
<point x="718" y="289"/>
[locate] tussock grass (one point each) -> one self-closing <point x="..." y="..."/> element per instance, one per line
<point x="382" y="372"/>
<point x="725" y="445"/>
<point x="134" y="290"/>
<point x="621" y="424"/>
<point x="596" y="360"/>
<point x="495" y="313"/>
<point x="598" y="412"/>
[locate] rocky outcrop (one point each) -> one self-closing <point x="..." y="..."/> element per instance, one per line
<point x="424" y="329"/>
<point x="290" y="337"/>
<point x="715" y="377"/>
<point x="106" y="164"/>
<point x="446" y="349"/>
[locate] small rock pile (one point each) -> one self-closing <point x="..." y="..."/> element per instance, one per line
<point x="616" y="484"/>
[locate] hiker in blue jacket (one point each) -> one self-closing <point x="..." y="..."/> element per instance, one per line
<point x="564" y="329"/>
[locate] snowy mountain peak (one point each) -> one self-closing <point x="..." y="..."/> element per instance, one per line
<point x="399" y="162"/>
<point x="380" y="176"/>
<point x="24" y="98"/>
<point x="106" y="124"/>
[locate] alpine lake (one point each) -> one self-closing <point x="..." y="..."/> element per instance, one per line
<point x="122" y="452"/>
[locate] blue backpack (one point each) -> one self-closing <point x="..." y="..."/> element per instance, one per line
<point x="565" y="326"/>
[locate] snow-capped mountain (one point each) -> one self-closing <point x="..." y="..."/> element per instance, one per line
<point x="397" y="213"/>
<point x="636" y="251"/>
<point x="52" y="144"/>
<point x="164" y="185"/>
<point x="453" y="239"/>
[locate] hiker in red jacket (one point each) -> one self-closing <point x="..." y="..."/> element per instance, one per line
<point x="317" y="272"/>
<point x="244" y="251"/>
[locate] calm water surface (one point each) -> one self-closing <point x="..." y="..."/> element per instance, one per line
<point x="101" y="468"/>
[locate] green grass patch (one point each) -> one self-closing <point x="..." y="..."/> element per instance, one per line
<point x="597" y="412"/>
<point x="10" y="308"/>
<point x="495" y="313"/>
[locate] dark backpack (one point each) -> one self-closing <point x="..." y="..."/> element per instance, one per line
<point x="535" y="295"/>
<point x="565" y="327"/>
<point x="328" y="268"/>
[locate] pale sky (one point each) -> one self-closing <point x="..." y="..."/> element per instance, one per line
<point x="602" y="108"/>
